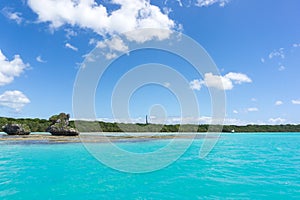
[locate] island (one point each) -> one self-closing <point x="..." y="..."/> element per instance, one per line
<point x="61" y="125"/>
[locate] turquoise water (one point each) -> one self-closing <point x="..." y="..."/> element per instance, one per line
<point x="241" y="166"/>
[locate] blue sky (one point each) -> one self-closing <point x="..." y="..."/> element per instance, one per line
<point x="255" y="45"/>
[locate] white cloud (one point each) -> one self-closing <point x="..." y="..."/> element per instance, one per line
<point x="252" y="109"/>
<point x="206" y="3"/>
<point x="89" y="14"/>
<point x="167" y="10"/>
<point x="68" y="45"/>
<point x="143" y="35"/>
<point x="13" y="99"/>
<point x="110" y="56"/>
<point x="220" y="82"/>
<point x="262" y="60"/>
<point x="70" y="33"/>
<point x="281" y="68"/>
<point x="235" y="111"/>
<point x="16" y="16"/>
<point x="92" y="41"/>
<point x="253" y="99"/>
<point x="278" y="103"/>
<point x="238" y="78"/>
<point x="277" y="53"/>
<point x="10" y="69"/>
<point x="40" y="59"/>
<point x="196" y="84"/>
<point x="277" y="120"/>
<point x="296" y="102"/>
<point x="114" y="44"/>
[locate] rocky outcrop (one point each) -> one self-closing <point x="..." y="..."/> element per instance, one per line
<point x="16" y="129"/>
<point x="63" y="131"/>
<point x="60" y="126"/>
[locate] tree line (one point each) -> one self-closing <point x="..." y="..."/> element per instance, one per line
<point x="40" y="125"/>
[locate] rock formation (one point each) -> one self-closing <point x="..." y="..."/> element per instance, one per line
<point x="60" y="126"/>
<point x="16" y="129"/>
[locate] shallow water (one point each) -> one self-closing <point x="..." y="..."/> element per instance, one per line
<point x="241" y="166"/>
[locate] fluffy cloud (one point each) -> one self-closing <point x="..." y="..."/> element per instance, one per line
<point x="68" y="45"/>
<point x="110" y="56"/>
<point x="238" y="78"/>
<point x="13" y="99"/>
<point x="114" y="44"/>
<point x="220" y="82"/>
<point x="70" y="33"/>
<point x="206" y="3"/>
<point x="278" y="103"/>
<point x="196" y="84"/>
<point x="89" y="14"/>
<point x="252" y="109"/>
<point x="296" y="102"/>
<point x="10" y="69"/>
<point x="143" y="35"/>
<point x="277" y="120"/>
<point x="15" y="16"/>
<point x="40" y="59"/>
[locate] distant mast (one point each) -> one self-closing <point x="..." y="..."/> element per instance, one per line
<point x="147" y="119"/>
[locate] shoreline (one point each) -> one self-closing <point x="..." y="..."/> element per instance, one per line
<point x="86" y="138"/>
<point x="47" y="138"/>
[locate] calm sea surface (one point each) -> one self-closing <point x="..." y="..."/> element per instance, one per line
<point x="241" y="166"/>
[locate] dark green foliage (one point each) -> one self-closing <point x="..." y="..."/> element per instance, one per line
<point x="62" y="116"/>
<point x="40" y="125"/>
<point x="35" y="125"/>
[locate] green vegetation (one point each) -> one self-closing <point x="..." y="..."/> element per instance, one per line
<point x="35" y="125"/>
<point x="26" y="128"/>
<point x="40" y="125"/>
<point x="63" y="117"/>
